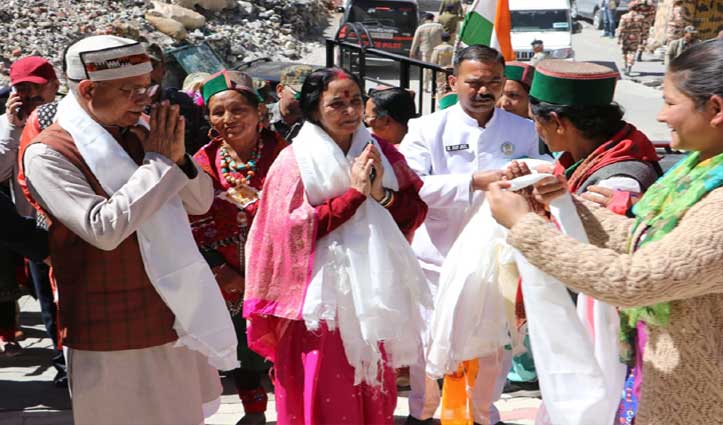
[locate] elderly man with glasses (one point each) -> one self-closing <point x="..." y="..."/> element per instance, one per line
<point x="141" y="316"/>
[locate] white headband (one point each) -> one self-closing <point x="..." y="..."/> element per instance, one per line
<point x="106" y="57"/>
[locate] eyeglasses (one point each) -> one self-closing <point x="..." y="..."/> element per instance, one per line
<point x="139" y="93"/>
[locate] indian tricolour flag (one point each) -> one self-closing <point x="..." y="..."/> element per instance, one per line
<point x="488" y="22"/>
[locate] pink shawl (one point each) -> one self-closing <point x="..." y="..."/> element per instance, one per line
<point x="280" y="249"/>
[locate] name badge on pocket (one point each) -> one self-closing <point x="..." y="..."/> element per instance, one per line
<point x="454" y="148"/>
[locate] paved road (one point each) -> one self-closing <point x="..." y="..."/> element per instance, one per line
<point x="27" y="395"/>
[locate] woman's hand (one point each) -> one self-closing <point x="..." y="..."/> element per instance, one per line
<point x="599" y="195"/>
<point x="230" y="281"/>
<point x="360" y="170"/>
<point x="516" y="169"/>
<point x="549" y="189"/>
<point x="507" y="207"/>
<point x="377" y="190"/>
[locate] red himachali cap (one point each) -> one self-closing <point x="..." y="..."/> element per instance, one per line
<point x="32" y="69"/>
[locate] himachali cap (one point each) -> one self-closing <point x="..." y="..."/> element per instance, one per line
<point x="106" y="57"/>
<point x="448" y="100"/>
<point x="521" y="72"/>
<point x="294" y="76"/>
<point x="563" y="82"/>
<point x="32" y="69"/>
<point x="223" y="81"/>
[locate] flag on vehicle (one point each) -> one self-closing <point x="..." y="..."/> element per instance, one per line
<point x="489" y="22"/>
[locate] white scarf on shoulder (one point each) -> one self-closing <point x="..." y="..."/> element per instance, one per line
<point x="171" y="258"/>
<point x="365" y="277"/>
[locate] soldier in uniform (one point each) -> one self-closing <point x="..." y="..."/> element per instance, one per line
<point x="442" y="55"/>
<point x="629" y="34"/>
<point x="648" y="10"/>
<point x="538" y="48"/>
<point x="456" y="7"/>
<point x="450" y="21"/>
<point x="426" y="38"/>
<point x="678" y="21"/>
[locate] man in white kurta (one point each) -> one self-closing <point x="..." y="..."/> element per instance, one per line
<point x="140" y="313"/>
<point x="457" y="152"/>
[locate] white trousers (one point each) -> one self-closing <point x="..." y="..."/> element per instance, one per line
<point x="425" y="395"/>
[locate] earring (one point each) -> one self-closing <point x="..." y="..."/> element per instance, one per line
<point x="212" y="133"/>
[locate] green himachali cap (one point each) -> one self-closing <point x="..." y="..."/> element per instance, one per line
<point x="447" y="101"/>
<point x="521" y="72"/>
<point x="563" y="82"/>
<point x="222" y="81"/>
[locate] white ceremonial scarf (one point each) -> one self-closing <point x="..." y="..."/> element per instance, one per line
<point x="577" y="363"/>
<point x="469" y="320"/>
<point x="171" y="258"/>
<point x="365" y="277"/>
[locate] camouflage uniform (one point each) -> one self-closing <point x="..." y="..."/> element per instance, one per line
<point x="630" y="31"/>
<point x="442" y="55"/>
<point x="677" y="23"/>
<point x="648" y="10"/>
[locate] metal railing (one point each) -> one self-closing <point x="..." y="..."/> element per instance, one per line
<point x="355" y="55"/>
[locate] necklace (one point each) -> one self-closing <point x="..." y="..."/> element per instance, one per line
<point x="246" y="169"/>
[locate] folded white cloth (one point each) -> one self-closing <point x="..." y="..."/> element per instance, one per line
<point x="171" y="258"/>
<point x="365" y="277"/>
<point x="576" y="351"/>
<point x="469" y="320"/>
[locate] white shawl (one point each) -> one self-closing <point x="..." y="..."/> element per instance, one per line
<point x="171" y="258"/>
<point x="577" y="362"/>
<point x="365" y="275"/>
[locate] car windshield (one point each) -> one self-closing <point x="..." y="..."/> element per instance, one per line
<point x="398" y="16"/>
<point x="198" y="59"/>
<point x="540" y="20"/>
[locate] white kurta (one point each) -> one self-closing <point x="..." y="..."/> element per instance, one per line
<point x="445" y="149"/>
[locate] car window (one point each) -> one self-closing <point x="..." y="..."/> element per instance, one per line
<point x="401" y="17"/>
<point x="540" y="20"/>
<point x="198" y="59"/>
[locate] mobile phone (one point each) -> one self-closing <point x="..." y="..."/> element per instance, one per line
<point x="19" y="112"/>
<point x="373" y="172"/>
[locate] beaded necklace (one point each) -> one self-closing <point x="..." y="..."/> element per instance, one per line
<point x="247" y="169"/>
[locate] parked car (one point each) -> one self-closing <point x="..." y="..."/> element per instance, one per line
<point x="390" y="23"/>
<point x="548" y="21"/>
<point x="592" y="9"/>
<point x="203" y="58"/>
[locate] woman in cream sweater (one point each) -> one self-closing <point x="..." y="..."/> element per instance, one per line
<point x="663" y="268"/>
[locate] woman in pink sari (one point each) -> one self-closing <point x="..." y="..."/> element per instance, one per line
<point x="332" y="288"/>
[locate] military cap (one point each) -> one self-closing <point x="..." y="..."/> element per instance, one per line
<point x="521" y="72"/>
<point x="563" y="82"/>
<point x="294" y="76"/>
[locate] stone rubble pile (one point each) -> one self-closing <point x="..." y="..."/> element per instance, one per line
<point x="238" y="30"/>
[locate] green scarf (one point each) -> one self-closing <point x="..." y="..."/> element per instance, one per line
<point x="659" y="212"/>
